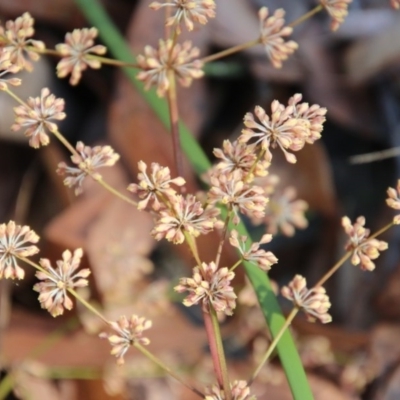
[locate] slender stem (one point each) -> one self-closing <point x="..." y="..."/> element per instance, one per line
<point x="304" y="17"/>
<point x="163" y="366"/>
<point x="15" y="97"/>
<point x="333" y="269"/>
<point x="237" y="263"/>
<point x="231" y="50"/>
<point x="174" y="120"/>
<point x="384" y="229"/>
<point x="213" y="347"/>
<point x="191" y="241"/>
<point x="221" y="354"/>
<point x="223" y="237"/>
<point x="88" y="305"/>
<point x="114" y="191"/>
<point x="65" y="142"/>
<point x="272" y="346"/>
<point x="260" y="155"/>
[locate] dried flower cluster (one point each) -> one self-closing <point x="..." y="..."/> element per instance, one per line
<point x="7" y="67"/>
<point x="156" y="64"/>
<point x="314" y="302"/>
<point x="209" y="286"/>
<point x="239" y="391"/>
<point x="79" y="52"/>
<point x="53" y="290"/>
<point x="37" y="116"/>
<point x="154" y="186"/>
<point x="394" y="200"/>
<point x="272" y="32"/>
<point x="128" y="332"/>
<point x="337" y="9"/>
<point x="363" y="250"/>
<point x="255" y="255"/>
<point x="187" y="11"/>
<point x="15" y="242"/>
<point x="88" y="160"/>
<point x="289" y="127"/>
<point x="15" y="39"/>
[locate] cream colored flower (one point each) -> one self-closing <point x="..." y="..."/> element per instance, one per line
<point x="394" y="201"/>
<point x="155" y="64"/>
<point x="187" y="11"/>
<point x="337" y="9"/>
<point x="15" y="242"/>
<point x="272" y="32"/>
<point x="78" y="52"/>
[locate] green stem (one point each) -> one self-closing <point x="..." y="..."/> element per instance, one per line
<point x="231" y="50"/>
<point x="114" y="191"/>
<point x="273" y="345"/>
<point x="237" y="263"/>
<point x="221" y="354"/>
<point x="158" y="362"/>
<point x="223" y="237"/>
<point x="333" y="269"/>
<point x="304" y="17"/>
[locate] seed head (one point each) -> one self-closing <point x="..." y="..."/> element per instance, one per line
<point x="394" y="201"/>
<point x="239" y="391"/>
<point x="128" y="332"/>
<point x="209" y="285"/>
<point x="314" y="302"/>
<point x="79" y="52"/>
<point x="363" y="250"/>
<point x="53" y="290"/>
<point x="14" y="241"/>
<point x="255" y="255"/>
<point x="186" y="215"/>
<point x="7" y="67"/>
<point x="242" y="157"/>
<point x="272" y="32"/>
<point x="155" y="64"/>
<point x="337" y="9"/>
<point x="240" y="196"/>
<point x="15" y="40"/>
<point x="88" y="161"/>
<point x="36" y="115"/>
<point x="153" y="187"/>
<point x="187" y="11"/>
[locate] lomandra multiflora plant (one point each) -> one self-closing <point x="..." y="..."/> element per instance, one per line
<point x="239" y="184"/>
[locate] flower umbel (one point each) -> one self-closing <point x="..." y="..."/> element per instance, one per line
<point x="229" y="189"/>
<point x="314" y="302"/>
<point x="55" y="283"/>
<point x="15" y="40"/>
<point x="188" y="11"/>
<point x="255" y="255"/>
<point x="363" y="250"/>
<point x="88" y="160"/>
<point x="209" y="285"/>
<point x="240" y="156"/>
<point x="281" y="129"/>
<point x="78" y="52"/>
<point x="186" y="215"/>
<point x="14" y="243"/>
<point x="152" y="187"/>
<point x="394" y="200"/>
<point x="337" y="9"/>
<point x="239" y="391"/>
<point x="37" y="116"/>
<point x="395" y="4"/>
<point x="155" y="64"/>
<point x="6" y="66"/>
<point x="272" y="32"/>
<point x="128" y="332"/>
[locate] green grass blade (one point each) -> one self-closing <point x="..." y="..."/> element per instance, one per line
<point x="286" y="348"/>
